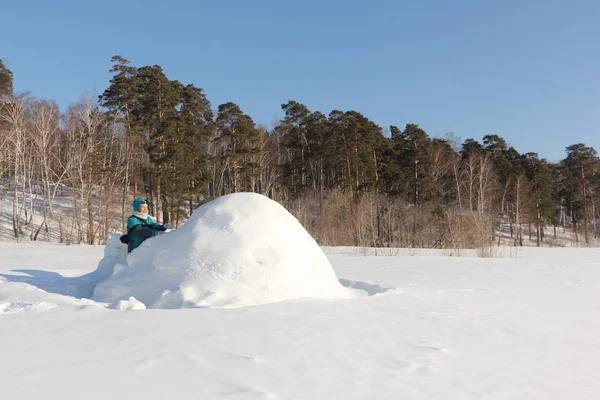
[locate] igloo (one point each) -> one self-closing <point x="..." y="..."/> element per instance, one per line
<point x="238" y="250"/>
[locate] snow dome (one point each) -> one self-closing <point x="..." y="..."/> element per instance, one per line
<point x="238" y="250"/>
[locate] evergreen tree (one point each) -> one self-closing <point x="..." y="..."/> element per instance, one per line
<point x="394" y="174"/>
<point x="470" y="147"/>
<point x="417" y="147"/>
<point x="579" y="164"/>
<point x="241" y="142"/>
<point x="496" y="148"/>
<point x="539" y="175"/>
<point x="294" y="128"/>
<point x="159" y="99"/>
<point x="121" y="96"/>
<point x="120" y="100"/>
<point x="6" y="80"/>
<point x="194" y="126"/>
<point x="316" y="131"/>
<point x="353" y="145"/>
<point x="558" y="215"/>
<point x="501" y="158"/>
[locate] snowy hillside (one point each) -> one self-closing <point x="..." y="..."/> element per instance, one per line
<point x="424" y="327"/>
<point x="63" y="224"/>
<point x="66" y="221"/>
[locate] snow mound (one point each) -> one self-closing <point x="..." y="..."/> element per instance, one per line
<point x="129" y="305"/>
<point x="239" y="250"/>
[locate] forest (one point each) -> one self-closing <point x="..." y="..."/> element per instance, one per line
<point x="349" y="181"/>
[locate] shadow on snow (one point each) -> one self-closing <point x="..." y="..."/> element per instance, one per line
<point x="371" y="289"/>
<point x="82" y="287"/>
<point x="53" y="282"/>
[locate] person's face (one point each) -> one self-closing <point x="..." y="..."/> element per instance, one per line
<point x="144" y="207"/>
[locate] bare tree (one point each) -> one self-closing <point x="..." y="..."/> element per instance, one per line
<point x="520" y="191"/>
<point x="14" y="112"/>
<point x="84" y="122"/>
<point x="45" y="135"/>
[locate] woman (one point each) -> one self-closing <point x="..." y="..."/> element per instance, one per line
<point x="140" y="226"/>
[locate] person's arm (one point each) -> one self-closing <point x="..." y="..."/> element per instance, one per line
<point x="157" y="227"/>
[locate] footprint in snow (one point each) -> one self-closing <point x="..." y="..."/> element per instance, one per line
<point x="22" y="307"/>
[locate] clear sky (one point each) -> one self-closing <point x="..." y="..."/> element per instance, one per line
<point x="527" y="70"/>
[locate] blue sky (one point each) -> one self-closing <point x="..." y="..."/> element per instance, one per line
<point x="528" y="71"/>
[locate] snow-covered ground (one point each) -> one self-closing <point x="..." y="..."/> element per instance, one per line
<point x="425" y="327"/>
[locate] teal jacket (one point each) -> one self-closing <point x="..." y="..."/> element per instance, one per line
<point x="143" y="230"/>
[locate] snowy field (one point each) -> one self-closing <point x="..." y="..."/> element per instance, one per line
<point x="424" y="327"/>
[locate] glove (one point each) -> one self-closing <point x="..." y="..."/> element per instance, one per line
<point x="167" y="226"/>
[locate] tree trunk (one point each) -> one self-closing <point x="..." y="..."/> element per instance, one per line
<point x="320" y="185"/>
<point x="574" y="226"/>
<point x="520" y="235"/>
<point x="539" y="224"/>
<point x="375" y="165"/>
<point x="125" y="188"/>
<point x="302" y="169"/>
<point x="235" y="175"/>
<point x="61" y="236"/>
<point x="356" y="169"/>
<point x="91" y="232"/>
<point x="158" y="197"/>
<point x="37" y="232"/>
<point x="349" y="171"/>
<point x="15" y="208"/>
<point x="165" y="211"/>
<point x="416" y="184"/>
<point x="586" y="222"/>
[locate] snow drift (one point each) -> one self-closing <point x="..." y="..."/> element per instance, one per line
<point x="238" y="250"/>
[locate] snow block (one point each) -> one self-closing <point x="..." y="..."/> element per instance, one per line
<point x="130" y="304"/>
<point x="239" y="250"/>
<point x="115" y="254"/>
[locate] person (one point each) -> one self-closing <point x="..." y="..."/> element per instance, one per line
<point x="140" y="226"/>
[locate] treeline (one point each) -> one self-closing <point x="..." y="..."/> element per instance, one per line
<point x="348" y="180"/>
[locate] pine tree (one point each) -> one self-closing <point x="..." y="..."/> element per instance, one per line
<point x="394" y="174"/>
<point x="294" y="130"/>
<point x="121" y="96"/>
<point x="241" y="142"/>
<point x="500" y="155"/>
<point x="538" y="174"/>
<point x="316" y="131"/>
<point x="354" y="144"/>
<point x="6" y="80"/>
<point x="579" y="164"/>
<point x="417" y="146"/>
<point x="194" y="126"/>
<point x="496" y="148"/>
<point x="156" y="113"/>
<point x="121" y="100"/>
<point x="470" y="147"/>
<point x="338" y="163"/>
